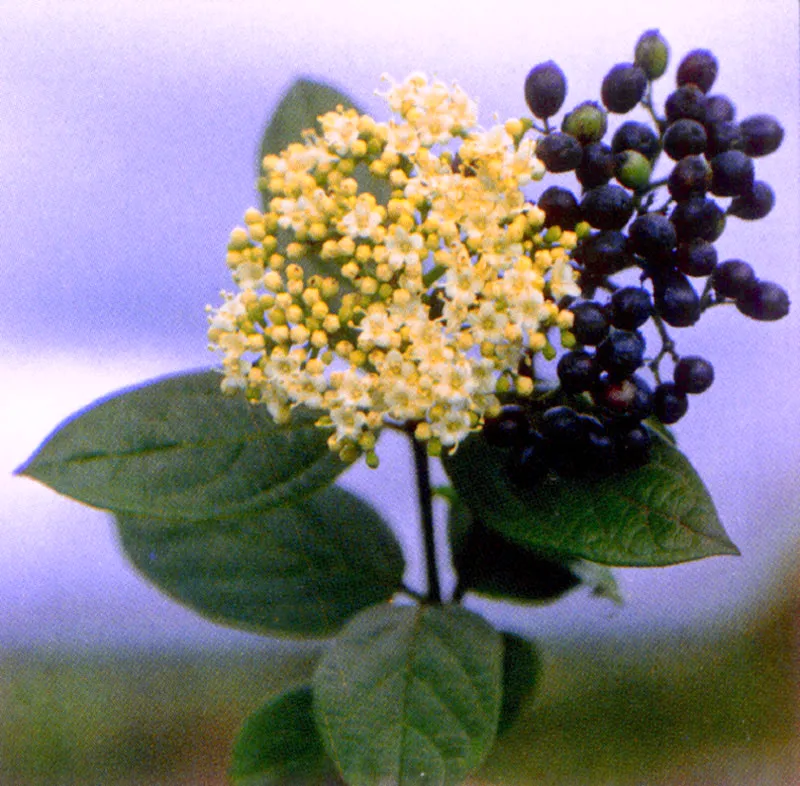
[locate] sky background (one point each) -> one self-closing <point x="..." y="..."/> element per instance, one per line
<point x="128" y="138"/>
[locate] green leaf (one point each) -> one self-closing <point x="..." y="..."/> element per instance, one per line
<point x="410" y="695"/>
<point x="297" y="112"/>
<point x="660" y="514"/>
<point x="279" y="744"/>
<point x="521" y="669"/>
<point x="178" y="447"/>
<point x="488" y="564"/>
<point x="301" y="570"/>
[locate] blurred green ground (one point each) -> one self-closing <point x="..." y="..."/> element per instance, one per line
<point x="716" y="710"/>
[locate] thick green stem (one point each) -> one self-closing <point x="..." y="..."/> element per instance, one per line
<point x="426" y="512"/>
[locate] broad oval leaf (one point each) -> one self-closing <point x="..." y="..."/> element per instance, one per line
<point x="178" y="447"/>
<point x="279" y="744"/>
<point x="410" y="695"/>
<point x="297" y="112"/>
<point x="489" y="564"/>
<point x="659" y="514"/>
<point x="521" y="669"/>
<point x="300" y="570"/>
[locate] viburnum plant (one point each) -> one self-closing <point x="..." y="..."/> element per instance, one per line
<point x="410" y="275"/>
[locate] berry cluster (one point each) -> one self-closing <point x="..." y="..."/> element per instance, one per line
<point x="599" y="428"/>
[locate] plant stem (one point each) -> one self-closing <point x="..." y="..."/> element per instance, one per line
<point x="426" y="510"/>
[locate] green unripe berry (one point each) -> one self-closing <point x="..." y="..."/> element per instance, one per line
<point x="651" y="54"/>
<point x="633" y="169"/>
<point x="588" y="122"/>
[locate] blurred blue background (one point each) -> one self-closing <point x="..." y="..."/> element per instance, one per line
<point x="128" y="138"/>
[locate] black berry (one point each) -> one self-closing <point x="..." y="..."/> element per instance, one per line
<point x="684" y="137"/>
<point x="754" y="205"/>
<point x="761" y="135"/>
<point x="577" y="371"/>
<point x="559" y="152"/>
<point x="669" y="404"/>
<point x="652" y="236"/>
<point x="607" y="207"/>
<point x="676" y="300"/>
<point x="528" y="465"/>
<point x="621" y="353"/>
<point x="719" y="109"/>
<point x="687" y="101"/>
<point x="545" y="89"/>
<point x="590" y="323"/>
<point x="597" y="165"/>
<point x="560" y="207"/>
<point x="633" y="447"/>
<point x="691" y="176"/>
<point x="723" y="136"/>
<point x="698" y="68"/>
<point x="604" y="253"/>
<point x="623" y="87"/>
<point x="733" y="278"/>
<point x="696" y="258"/>
<point x="766" y="302"/>
<point x="631" y="307"/>
<point x="698" y="218"/>
<point x="508" y="429"/>
<point x="732" y="174"/>
<point x="693" y="375"/>
<point x="624" y="400"/>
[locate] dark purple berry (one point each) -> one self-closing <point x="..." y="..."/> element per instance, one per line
<point x="651" y="54"/>
<point x="545" y="89"/>
<point x="754" y="205"/>
<point x="577" y="371"/>
<point x="766" y="302"/>
<point x="623" y="87"/>
<point x="699" y="68"/>
<point x="669" y="404"/>
<point x="561" y="424"/>
<point x="687" y="101"/>
<point x="683" y="138"/>
<point x="676" y="300"/>
<point x="691" y="176"/>
<point x="588" y="122"/>
<point x="508" y="429"/>
<point x="733" y="278"/>
<point x="633" y="447"/>
<point x="652" y="236"/>
<point x="559" y="152"/>
<point x="604" y="253"/>
<point x="636" y="136"/>
<point x="528" y="465"/>
<point x="698" y="219"/>
<point x="621" y="353"/>
<point x="693" y="375"/>
<point x="597" y="165"/>
<point x="631" y="307"/>
<point x="607" y="207"/>
<point x="590" y="323"/>
<point x="560" y="207"/>
<point x="719" y="109"/>
<point x="761" y="134"/>
<point x="721" y="137"/>
<point x="696" y="258"/>
<point x="624" y="400"/>
<point x="732" y="174"/>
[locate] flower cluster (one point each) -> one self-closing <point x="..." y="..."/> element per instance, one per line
<point x="398" y="275"/>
